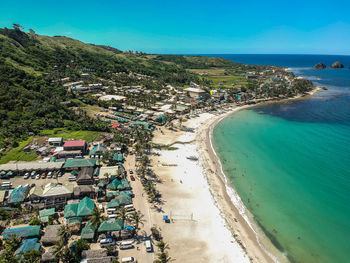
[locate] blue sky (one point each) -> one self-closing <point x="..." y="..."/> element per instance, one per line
<point x="189" y="27"/>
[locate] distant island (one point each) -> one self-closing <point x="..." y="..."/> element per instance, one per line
<point x="336" y="64"/>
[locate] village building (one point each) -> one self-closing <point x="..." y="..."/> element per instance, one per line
<point x="75" y="164"/>
<point x="52" y="194"/>
<point x="73" y="145"/>
<point x="56" y="141"/>
<point x="51" y="236"/>
<point x="85" y="176"/>
<point x="194" y="92"/>
<point x="23" y="232"/>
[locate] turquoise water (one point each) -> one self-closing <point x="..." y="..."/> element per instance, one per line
<point x="294" y="176"/>
<point x="290" y="162"/>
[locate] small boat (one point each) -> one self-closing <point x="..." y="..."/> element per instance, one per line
<point x="192" y="158"/>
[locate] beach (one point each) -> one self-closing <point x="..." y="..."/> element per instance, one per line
<point x="205" y="225"/>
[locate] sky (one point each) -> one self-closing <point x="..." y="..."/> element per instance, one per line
<point x="192" y="27"/>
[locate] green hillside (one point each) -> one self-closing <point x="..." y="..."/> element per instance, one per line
<point x="31" y="65"/>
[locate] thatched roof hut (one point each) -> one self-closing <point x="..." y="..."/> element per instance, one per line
<point x="51" y="235"/>
<point x="48" y="256"/>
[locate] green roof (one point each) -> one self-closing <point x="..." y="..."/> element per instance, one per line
<point x="88" y="232"/>
<point x="98" y="149"/>
<point x="26" y="231"/>
<point x="118" y="157"/>
<point x="76" y="163"/>
<point x="75" y="220"/>
<point x="114" y="185"/>
<point x="70" y="210"/>
<point x="47" y="212"/>
<point x="109" y="226"/>
<point x="119" y="200"/>
<point x="85" y="207"/>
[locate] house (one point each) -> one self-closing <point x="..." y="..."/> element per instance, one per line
<point x="45" y="214"/>
<point x="18" y="195"/>
<point x="29" y="244"/>
<point x="96" y="256"/>
<point x="72" y="145"/>
<point x="84" y="190"/>
<point x="110" y="226"/>
<point x="85" y="176"/>
<point x="107" y="172"/>
<point x="73" y="164"/>
<point x="97" y="151"/>
<point x="88" y="232"/>
<point x="25" y="232"/>
<point x="194" y="92"/>
<point x="52" y="194"/>
<point x="112" y="97"/>
<point x="51" y="235"/>
<point x="56" y="141"/>
<point x="68" y="154"/>
<point x="82" y="209"/>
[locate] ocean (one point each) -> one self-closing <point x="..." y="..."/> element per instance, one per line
<point x="290" y="162"/>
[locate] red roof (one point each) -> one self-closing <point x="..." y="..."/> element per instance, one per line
<point x="74" y="143"/>
<point x="115" y="125"/>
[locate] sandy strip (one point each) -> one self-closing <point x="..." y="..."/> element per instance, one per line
<point x="209" y="221"/>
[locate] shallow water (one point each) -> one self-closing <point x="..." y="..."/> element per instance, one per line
<point x="290" y="164"/>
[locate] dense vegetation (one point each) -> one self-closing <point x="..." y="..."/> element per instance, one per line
<point x="30" y="66"/>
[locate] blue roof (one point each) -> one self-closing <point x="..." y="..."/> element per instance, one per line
<point x="28" y="244"/>
<point x="25" y="231"/>
<point x="18" y="194"/>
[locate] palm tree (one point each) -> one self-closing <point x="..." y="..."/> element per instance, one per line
<point x="121" y="214"/>
<point x="96" y="218"/>
<point x="162" y="246"/>
<point x="64" y="233"/>
<point x="163" y="258"/>
<point x="58" y="249"/>
<point x="137" y="219"/>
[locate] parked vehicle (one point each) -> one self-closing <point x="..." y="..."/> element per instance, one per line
<point x="129" y="260"/>
<point x="6" y="184"/>
<point x="130" y="171"/>
<point x="60" y="174"/>
<point x="132" y="178"/>
<point x="49" y="175"/>
<point x="26" y="176"/>
<point x="148" y="246"/>
<point x="107" y="242"/>
<point x="43" y="176"/>
<point x="72" y="178"/>
<point x="54" y="176"/>
<point x="129" y="208"/>
<point x="111" y="210"/>
<point x="126" y="244"/>
<point x="37" y="177"/>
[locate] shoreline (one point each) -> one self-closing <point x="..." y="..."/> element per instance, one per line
<point x="244" y="229"/>
<point x="238" y="218"/>
<point x="201" y="188"/>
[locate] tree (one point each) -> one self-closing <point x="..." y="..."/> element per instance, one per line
<point x="162" y="246"/>
<point x="121" y="214"/>
<point x="77" y="248"/>
<point x="32" y="256"/>
<point x="58" y="249"/>
<point x="96" y="218"/>
<point x="35" y="221"/>
<point x="64" y="234"/>
<point x="137" y="219"/>
<point x="163" y="256"/>
<point x="17" y="27"/>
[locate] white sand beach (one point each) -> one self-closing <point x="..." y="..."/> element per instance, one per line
<point x="197" y="232"/>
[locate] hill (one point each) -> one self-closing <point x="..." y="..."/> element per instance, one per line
<point x="31" y="66"/>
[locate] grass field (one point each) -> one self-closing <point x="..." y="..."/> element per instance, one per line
<point x="16" y="154"/>
<point x="88" y="136"/>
